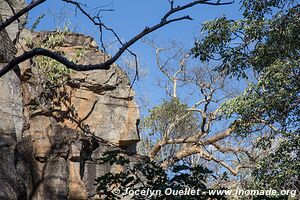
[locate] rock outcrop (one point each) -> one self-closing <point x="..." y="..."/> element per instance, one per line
<point x="54" y="129"/>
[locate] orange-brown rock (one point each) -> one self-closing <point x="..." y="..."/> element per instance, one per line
<point x="52" y="134"/>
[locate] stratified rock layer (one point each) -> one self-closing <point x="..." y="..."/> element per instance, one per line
<point x="51" y="138"/>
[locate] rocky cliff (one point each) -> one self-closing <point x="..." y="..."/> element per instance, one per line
<point x="56" y="123"/>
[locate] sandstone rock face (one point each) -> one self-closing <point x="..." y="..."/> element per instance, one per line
<point x="12" y="185"/>
<point x="102" y="99"/>
<point x="6" y="12"/>
<point x="52" y="132"/>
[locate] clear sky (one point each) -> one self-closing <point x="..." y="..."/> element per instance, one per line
<point x="130" y="17"/>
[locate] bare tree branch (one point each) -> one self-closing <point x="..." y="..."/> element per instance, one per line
<point x="222" y="135"/>
<point x="160" y="144"/>
<point x="198" y="150"/>
<point x="15" y="17"/>
<point x="192" y="139"/>
<point x="108" y="63"/>
<point x="78" y="67"/>
<point x="180" y="8"/>
<point x="233" y="150"/>
<point x="198" y="143"/>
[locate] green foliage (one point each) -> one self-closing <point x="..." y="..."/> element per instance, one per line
<point x="79" y="54"/>
<point x="168" y="112"/>
<point x="254" y="9"/>
<point x="281" y="167"/>
<point x="113" y="157"/>
<point x="145" y="175"/>
<point x="251" y="43"/>
<point x="37" y="22"/>
<point x="51" y="76"/>
<point x="53" y="72"/>
<point x="275" y="97"/>
<point x="29" y="42"/>
<point x="266" y="42"/>
<point x="55" y="39"/>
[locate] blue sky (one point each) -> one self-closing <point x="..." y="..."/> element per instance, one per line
<point x="130" y="17"/>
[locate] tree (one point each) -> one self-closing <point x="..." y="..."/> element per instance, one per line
<point x="149" y="176"/>
<point x="263" y="48"/>
<point x="188" y="126"/>
<point x="49" y="54"/>
<point x="96" y="20"/>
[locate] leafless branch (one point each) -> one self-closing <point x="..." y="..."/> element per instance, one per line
<point x="196" y="143"/>
<point x="15" y="17"/>
<point x="106" y="65"/>
<point x="199" y="151"/>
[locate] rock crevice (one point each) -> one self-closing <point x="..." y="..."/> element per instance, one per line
<point x="52" y="133"/>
